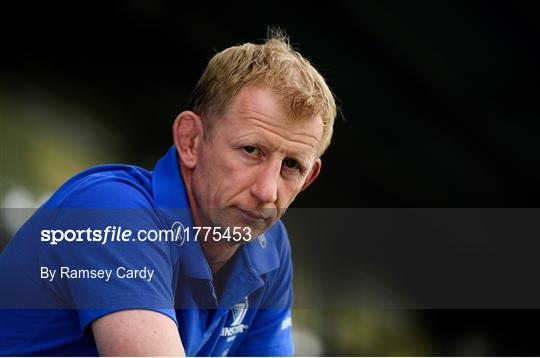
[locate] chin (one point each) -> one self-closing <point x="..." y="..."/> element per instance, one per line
<point x="235" y="217"/>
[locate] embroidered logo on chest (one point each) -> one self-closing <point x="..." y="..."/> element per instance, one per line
<point x="237" y="313"/>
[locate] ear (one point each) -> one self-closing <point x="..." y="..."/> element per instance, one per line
<point x="313" y="174"/>
<point x="187" y="134"/>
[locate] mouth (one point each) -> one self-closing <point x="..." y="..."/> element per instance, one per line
<point x="253" y="215"/>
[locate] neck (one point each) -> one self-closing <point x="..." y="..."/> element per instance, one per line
<point x="217" y="253"/>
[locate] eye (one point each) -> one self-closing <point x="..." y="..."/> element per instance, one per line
<point x="290" y="163"/>
<point x="249" y="149"/>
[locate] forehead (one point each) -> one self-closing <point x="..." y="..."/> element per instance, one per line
<point x="260" y="111"/>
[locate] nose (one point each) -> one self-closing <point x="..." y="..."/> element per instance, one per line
<point x="265" y="187"/>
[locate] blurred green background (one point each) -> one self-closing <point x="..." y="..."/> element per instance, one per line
<point x="440" y="109"/>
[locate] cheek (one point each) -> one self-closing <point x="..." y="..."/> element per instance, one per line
<point x="201" y="188"/>
<point x="288" y="192"/>
<point x="238" y="180"/>
<point x="227" y="179"/>
<point x="206" y="181"/>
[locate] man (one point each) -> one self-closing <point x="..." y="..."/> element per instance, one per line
<point x="259" y="120"/>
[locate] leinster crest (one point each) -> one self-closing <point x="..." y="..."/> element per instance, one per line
<point x="237" y="313"/>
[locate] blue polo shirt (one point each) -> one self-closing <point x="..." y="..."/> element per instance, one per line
<point x="45" y="314"/>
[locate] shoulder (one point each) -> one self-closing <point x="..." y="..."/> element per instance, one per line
<point x="106" y="186"/>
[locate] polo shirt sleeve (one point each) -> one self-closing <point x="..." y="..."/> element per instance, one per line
<point x="110" y="203"/>
<point x="271" y="331"/>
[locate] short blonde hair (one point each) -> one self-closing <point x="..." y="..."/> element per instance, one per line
<point x="273" y="64"/>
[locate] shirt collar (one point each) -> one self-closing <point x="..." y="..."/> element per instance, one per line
<point x="167" y="183"/>
<point x="260" y="256"/>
